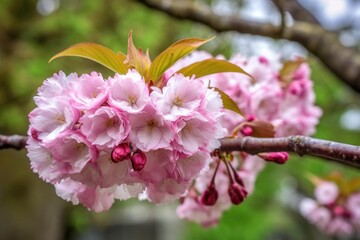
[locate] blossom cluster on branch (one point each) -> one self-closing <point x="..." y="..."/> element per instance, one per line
<point x="152" y="130"/>
<point x="283" y="101"/>
<point x="98" y="140"/>
<point x="335" y="210"/>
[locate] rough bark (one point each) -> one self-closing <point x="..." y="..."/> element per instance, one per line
<point x="342" y="153"/>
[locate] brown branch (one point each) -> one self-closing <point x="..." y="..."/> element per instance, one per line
<point x="296" y="10"/>
<point x="343" y="153"/>
<point x="279" y="4"/>
<point x="342" y="61"/>
<point x="14" y="141"/>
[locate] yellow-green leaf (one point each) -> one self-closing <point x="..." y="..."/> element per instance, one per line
<point x="97" y="53"/>
<point x="289" y="67"/>
<point x="352" y="186"/>
<point x="211" y="66"/>
<point x="137" y="59"/>
<point x="228" y="102"/>
<point x="172" y="54"/>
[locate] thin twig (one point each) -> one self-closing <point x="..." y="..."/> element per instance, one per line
<point x="14" y="141"/>
<point x="343" y="153"/>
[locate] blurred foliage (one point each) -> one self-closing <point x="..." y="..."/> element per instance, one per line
<point x="28" y="40"/>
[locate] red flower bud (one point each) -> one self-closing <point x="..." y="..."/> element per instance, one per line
<point x="120" y="153"/>
<point x="246" y="131"/>
<point x="237" y="193"/>
<point x="341" y="211"/>
<point x="138" y="160"/>
<point x="250" y="118"/>
<point x="277" y="157"/>
<point x="209" y="196"/>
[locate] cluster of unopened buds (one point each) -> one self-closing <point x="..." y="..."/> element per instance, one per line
<point x="124" y="152"/>
<point x="334" y="210"/>
<point x="97" y="140"/>
<point x="236" y="187"/>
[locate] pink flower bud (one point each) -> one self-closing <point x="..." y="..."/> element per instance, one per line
<point x="341" y="211"/>
<point x="120" y="153"/>
<point x="246" y="131"/>
<point x="250" y="118"/>
<point x="209" y="196"/>
<point x="237" y="193"/>
<point x="277" y="157"/>
<point x="34" y="134"/>
<point x="138" y="160"/>
<point x="263" y="60"/>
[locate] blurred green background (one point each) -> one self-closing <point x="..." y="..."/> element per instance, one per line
<point x="32" y="31"/>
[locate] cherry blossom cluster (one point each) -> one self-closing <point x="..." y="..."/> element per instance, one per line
<point x="97" y="140"/>
<point x="287" y="105"/>
<point x="333" y="211"/>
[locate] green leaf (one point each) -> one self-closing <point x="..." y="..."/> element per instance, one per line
<point x="211" y="66"/>
<point x="172" y="54"/>
<point x="137" y="59"/>
<point x="289" y="67"/>
<point x="97" y="53"/>
<point x="228" y="102"/>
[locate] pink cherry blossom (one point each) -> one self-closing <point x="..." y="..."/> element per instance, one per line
<point x="353" y="204"/>
<point x="149" y="130"/>
<point x="126" y="191"/>
<point x="326" y="192"/>
<point x="103" y="172"/>
<point x="55" y="87"/>
<point x="88" y="92"/>
<point x="193" y="133"/>
<point x="333" y="212"/>
<point x="167" y="190"/>
<point x="53" y="119"/>
<point x="96" y="199"/>
<point x="157" y="166"/>
<point x="187" y="168"/>
<point x="73" y="151"/>
<point x="339" y="226"/>
<point x="105" y="127"/>
<point x="68" y="189"/>
<point x="128" y="92"/>
<point x="320" y="217"/>
<point x="41" y="161"/>
<point x="307" y="206"/>
<point x="180" y="97"/>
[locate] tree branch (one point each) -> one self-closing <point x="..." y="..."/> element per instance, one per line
<point x="339" y="152"/>
<point x="296" y="10"/>
<point x="342" y="61"/>
<point x="14" y="141"/>
<point x="342" y="153"/>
